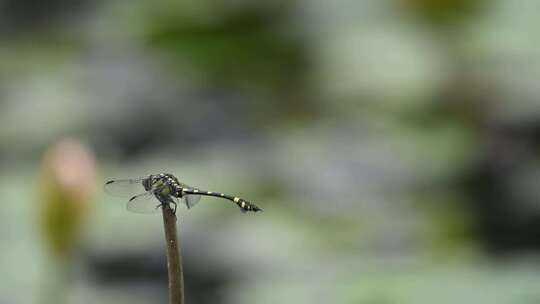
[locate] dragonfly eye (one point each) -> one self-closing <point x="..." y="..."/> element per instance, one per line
<point x="147" y="183"/>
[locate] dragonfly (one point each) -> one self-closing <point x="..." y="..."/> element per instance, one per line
<point x="150" y="193"/>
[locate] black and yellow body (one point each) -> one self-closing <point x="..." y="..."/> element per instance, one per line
<point x="165" y="185"/>
<point x="242" y="203"/>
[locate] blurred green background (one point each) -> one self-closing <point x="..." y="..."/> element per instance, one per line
<point x="394" y="146"/>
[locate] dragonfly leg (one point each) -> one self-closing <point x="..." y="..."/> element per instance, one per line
<point x="175" y="205"/>
<point x="166" y="201"/>
<point x="174" y="208"/>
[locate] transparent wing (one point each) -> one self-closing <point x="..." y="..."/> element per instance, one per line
<point x="191" y="199"/>
<point x="143" y="203"/>
<point x="124" y="187"/>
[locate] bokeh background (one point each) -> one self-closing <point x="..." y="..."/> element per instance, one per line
<point x="394" y="146"/>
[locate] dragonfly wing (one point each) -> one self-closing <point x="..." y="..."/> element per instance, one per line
<point x="124" y="187"/>
<point x="190" y="199"/>
<point x="143" y="203"/>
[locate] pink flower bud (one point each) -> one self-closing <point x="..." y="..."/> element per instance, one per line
<point x="68" y="183"/>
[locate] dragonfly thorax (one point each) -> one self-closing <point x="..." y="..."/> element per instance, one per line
<point x="163" y="184"/>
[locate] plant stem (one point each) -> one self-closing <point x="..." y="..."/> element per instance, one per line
<point x="174" y="257"/>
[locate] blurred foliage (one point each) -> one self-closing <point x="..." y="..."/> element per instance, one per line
<point x="445" y="12"/>
<point x="392" y="144"/>
<point x="242" y="47"/>
<point x="251" y="50"/>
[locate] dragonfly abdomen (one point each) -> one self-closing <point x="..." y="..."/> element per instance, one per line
<point x="244" y="205"/>
<point x="240" y="202"/>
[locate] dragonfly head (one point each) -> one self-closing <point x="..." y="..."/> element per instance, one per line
<point x="148" y="182"/>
